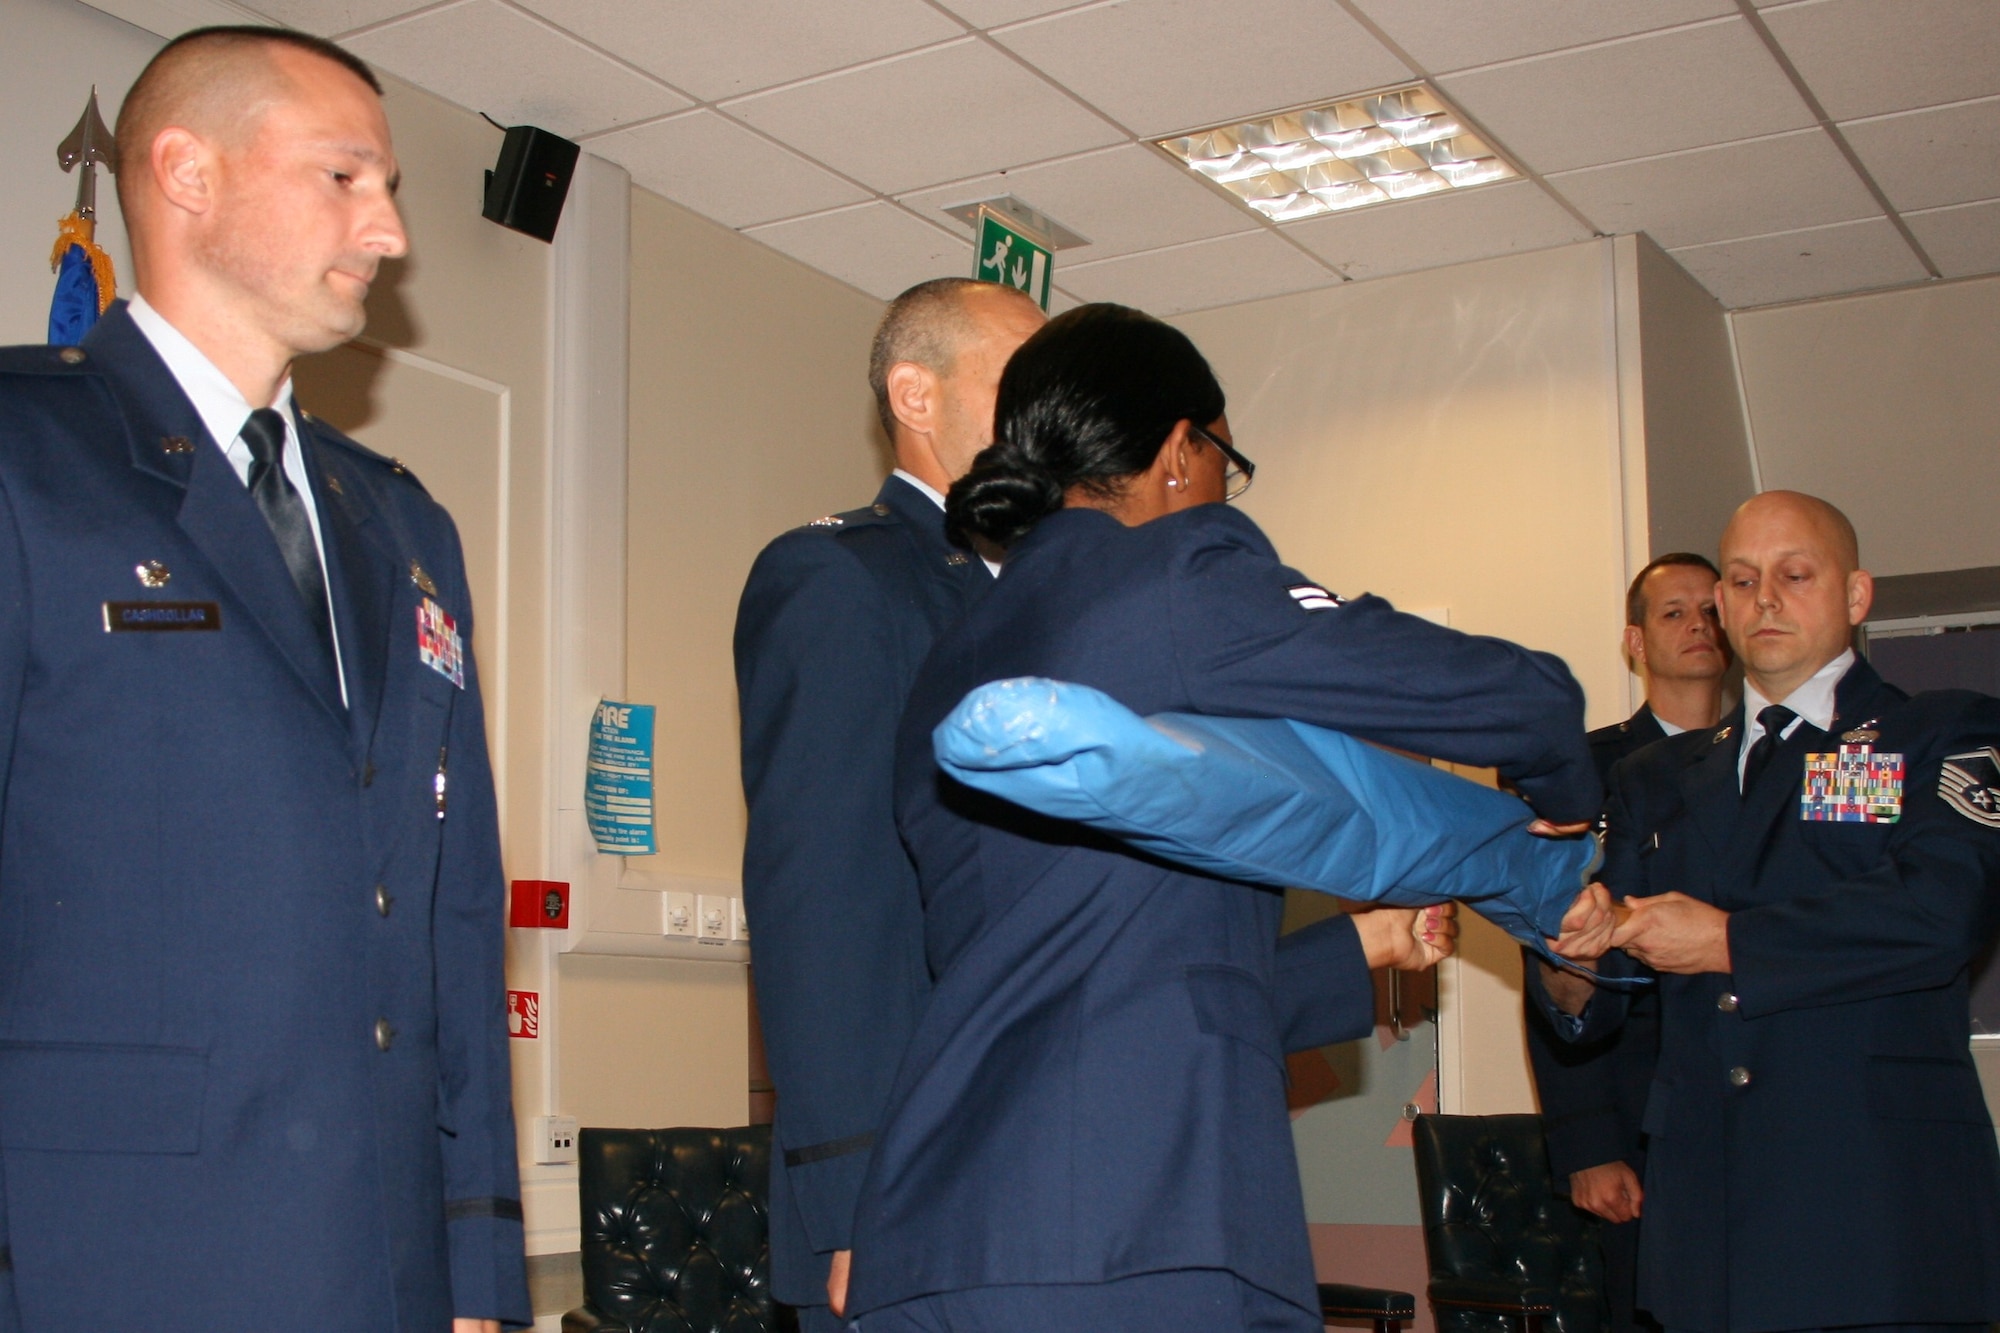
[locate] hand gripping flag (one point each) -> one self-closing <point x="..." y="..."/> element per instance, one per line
<point x="1269" y="802"/>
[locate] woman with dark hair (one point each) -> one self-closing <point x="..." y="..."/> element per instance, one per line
<point x="1089" y="1127"/>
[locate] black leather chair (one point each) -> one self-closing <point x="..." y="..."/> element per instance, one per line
<point x="1505" y="1250"/>
<point x="676" y="1236"/>
<point x="1387" y="1310"/>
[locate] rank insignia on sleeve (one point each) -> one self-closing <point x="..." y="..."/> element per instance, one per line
<point x="1854" y="786"/>
<point x="439" y="646"/>
<point x="1312" y="597"/>
<point x="1970" y="784"/>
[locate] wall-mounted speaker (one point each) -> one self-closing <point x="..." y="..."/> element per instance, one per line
<point x="526" y="189"/>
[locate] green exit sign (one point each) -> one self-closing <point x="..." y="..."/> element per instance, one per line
<point x="1008" y="255"/>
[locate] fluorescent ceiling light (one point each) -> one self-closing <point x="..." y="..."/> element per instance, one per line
<point x="1366" y="150"/>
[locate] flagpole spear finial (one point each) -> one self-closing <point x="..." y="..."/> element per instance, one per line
<point x="88" y="146"/>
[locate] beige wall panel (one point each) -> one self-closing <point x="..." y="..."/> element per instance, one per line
<point x="649" y="1043"/>
<point x="1449" y="440"/>
<point x="1884" y="405"/>
<point x="750" y="415"/>
<point x="1697" y="454"/>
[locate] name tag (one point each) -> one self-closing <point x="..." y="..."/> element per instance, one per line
<point x="160" y="617"/>
<point x="1853" y="786"/>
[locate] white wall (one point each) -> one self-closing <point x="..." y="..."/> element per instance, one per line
<point x="51" y="52"/>
<point x="1451" y="440"/>
<point x="1886" y="406"/>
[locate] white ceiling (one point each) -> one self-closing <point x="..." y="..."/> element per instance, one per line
<point x="1780" y="149"/>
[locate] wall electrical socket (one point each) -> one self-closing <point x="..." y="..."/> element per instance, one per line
<point x="555" y="1139"/>
<point x="678" y="916"/>
<point x="714" y="916"/>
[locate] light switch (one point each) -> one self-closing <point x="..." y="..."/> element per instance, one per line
<point x="678" y="913"/>
<point x="713" y="918"/>
<point x="742" y="920"/>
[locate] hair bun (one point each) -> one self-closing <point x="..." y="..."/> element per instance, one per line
<point x="1001" y="498"/>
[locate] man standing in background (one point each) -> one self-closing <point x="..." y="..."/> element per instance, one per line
<point x="1593" y="1098"/>
<point x="253" y="1048"/>
<point x="834" y="621"/>
<point x="1812" y="881"/>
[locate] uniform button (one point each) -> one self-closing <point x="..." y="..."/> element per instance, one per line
<point x="71" y="356"/>
<point x="385" y="1035"/>
<point x="1726" y="1002"/>
<point x="881" y="510"/>
<point x="382" y="900"/>
<point x="1739" y="1077"/>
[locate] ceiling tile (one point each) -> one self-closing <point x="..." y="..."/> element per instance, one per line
<point x="486" y="57"/>
<point x="876" y="247"/>
<point x="1439" y="229"/>
<point x="1862" y="57"/>
<point x="939" y="115"/>
<point x="1635" y="97"/>
<point x="992" y="13"/>
<point x="723" y="50"/>
<point x="1792" y="266"/>
<point x="1124" y="199"/>
<point x="330" y="18"/>
<point x="1248" y="267"/>
<point x="1926" y="159"/>
<point x="1751" y="188"/>
<point x="1186" y="63"/>
<point x="1444" y="35"/>
<point x="1962" y="241"/>
<point x="723" y="171"/>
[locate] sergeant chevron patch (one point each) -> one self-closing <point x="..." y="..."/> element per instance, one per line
<point x="1970" y="784"/>
<point x="1312" y="597"/>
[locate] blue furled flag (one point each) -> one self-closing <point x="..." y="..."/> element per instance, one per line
<point x="76" y="305"/>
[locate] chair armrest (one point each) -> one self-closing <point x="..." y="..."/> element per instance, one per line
<point x="1337" y="1300"/>
<point x="1472" y="1293"/>
<point x="583" y="1319"/>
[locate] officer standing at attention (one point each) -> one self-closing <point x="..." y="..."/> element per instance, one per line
<point x="1813" y="879"/>
<point x="834" y="621"/>
<point x="1594" y="1097"/>
<point x="253" y="1048"/>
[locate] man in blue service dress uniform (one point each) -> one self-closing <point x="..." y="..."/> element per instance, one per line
<point x="1812" y="879"/>
<point x="1593" y="1098"/>
<point x="253" y="1053"/>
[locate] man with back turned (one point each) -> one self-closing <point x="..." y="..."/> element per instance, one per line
<point x="1812" y="880"/>
<point x="253" y="1050"/>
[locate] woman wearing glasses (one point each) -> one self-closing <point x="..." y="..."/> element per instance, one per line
<point x="1089" y="1129"/>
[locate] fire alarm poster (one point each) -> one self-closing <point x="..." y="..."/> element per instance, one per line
<point x="618" y="779"/>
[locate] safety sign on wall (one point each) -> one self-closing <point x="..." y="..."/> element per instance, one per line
<point x="618" y="779"/>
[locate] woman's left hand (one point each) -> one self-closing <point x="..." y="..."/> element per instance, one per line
<point x="1409" y="938"/>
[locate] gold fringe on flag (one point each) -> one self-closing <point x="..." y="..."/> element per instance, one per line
<point x="79" y="230"/>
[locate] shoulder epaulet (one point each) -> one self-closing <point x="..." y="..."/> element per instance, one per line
<point x="326" y="434"/>
<point x="42" y="359"/>
<point x="867" y="516"/>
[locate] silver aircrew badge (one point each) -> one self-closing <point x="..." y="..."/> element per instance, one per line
<point x="1970" y="784"/>
<point x="830" y="521"/>
<point x="153" y="574"/>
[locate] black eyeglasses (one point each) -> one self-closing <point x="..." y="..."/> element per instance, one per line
<point x="1236" y="478"/>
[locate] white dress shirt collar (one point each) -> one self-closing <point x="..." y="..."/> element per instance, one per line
<point x="224" y="410"/>
<point x="1812" y="701"/>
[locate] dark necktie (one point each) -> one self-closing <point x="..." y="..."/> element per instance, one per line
<point x="1773" y="720"/>
<point x="264" y="432"/>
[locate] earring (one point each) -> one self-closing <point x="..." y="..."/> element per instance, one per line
<point x="1172" y="483"/>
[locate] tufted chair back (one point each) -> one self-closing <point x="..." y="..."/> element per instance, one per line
<point x="1505" y="1249"/>
<point x="676" y="1237"/>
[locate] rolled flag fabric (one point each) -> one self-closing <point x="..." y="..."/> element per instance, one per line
<point x="85" y="282"/>
<point x="1265" y="801"/>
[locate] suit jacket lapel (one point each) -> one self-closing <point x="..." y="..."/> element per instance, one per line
<point x="1708" y="786"/>
<point x="362" y="574"/>
<point x="948" y="562"/>
<point x="216" y="511"/>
